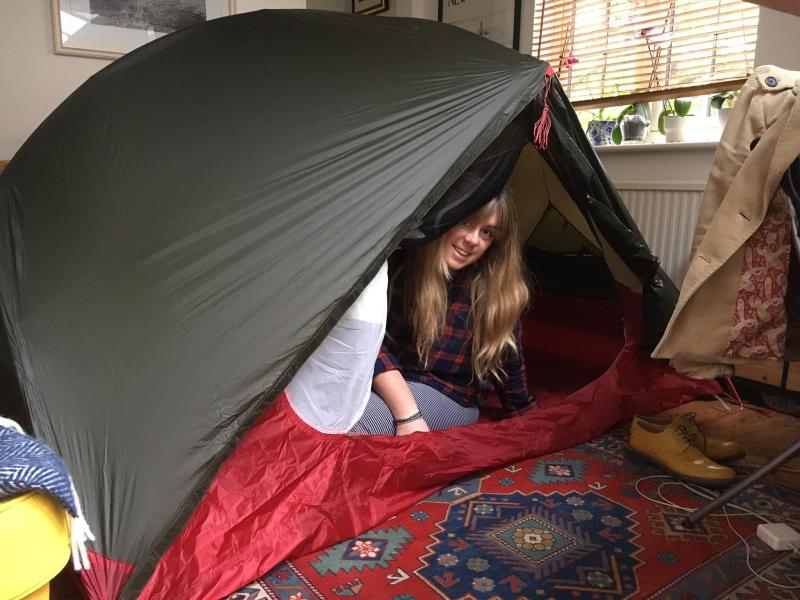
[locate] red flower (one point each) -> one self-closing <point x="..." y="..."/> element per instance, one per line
<point x="571" y="60"/>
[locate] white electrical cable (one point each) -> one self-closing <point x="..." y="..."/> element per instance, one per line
<point x="747" y="558"/>
<point x="705" y="493"/>
<point x="669" y="503"/>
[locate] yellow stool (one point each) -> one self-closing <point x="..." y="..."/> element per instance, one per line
<point x="34" y="545"/>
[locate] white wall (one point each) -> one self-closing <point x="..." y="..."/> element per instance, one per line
<point x="335" y="5"/>
<point x="778" y="39"/>
<point x="243" y="6"/>
<point x="423" y="9"/>
<point x="33" y="80"/>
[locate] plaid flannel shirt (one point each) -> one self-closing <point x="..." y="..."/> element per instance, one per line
<point x="450" y="361"/>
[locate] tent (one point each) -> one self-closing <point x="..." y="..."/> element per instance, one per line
<point x="183" y="230"/>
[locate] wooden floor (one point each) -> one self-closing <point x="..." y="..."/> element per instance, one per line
<point x="763" y="433"/>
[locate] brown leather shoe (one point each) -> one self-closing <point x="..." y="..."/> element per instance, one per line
<point x="721" y="451"/>
<point x="671" y="449"/>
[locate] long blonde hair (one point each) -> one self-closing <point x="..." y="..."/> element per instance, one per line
<point x="498" y="291"/>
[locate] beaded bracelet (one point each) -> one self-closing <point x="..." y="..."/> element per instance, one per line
<point x="414" y="417"/>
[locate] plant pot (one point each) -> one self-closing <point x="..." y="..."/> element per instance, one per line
<point x="634" y="129"/>
<point x="676" y="128"/>
<point x="599" y="132"/>
<point x="723" y="114"/>
<point x="691" y="128"/>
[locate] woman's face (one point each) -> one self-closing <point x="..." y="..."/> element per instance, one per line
<point x="465" y="243"/>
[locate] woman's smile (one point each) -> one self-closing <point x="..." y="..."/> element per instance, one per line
<point x="467" y="241"/>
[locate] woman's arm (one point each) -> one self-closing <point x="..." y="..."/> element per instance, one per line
<point x="514" y="392"/>
<point x="392" y="388"/>
<point x="388" y="381"/>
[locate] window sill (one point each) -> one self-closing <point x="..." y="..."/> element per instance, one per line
<point x="657" y="147"/>
<point x="673" y="166"/>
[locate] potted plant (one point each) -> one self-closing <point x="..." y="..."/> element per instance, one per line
<point x="600" y="129"/>
<point x="632" y="123"/>
<point x="672" y="120"/>
<point x="723" y="102"/>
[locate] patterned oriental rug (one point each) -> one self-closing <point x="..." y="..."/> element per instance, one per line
<point x="565" y="525"/>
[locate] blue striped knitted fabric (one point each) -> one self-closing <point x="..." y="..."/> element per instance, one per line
<point x="27" y="465"/>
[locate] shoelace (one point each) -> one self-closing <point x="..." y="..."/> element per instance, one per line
<point x="687" y="437"/>
<point x="690" y="422"/>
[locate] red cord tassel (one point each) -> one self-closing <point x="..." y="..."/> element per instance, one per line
<point x="541" y="130"/>
<point x="735" y="392"/>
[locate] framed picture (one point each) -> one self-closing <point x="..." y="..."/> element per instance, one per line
<point x="497" y="20"/>
<point x="110" y="28"/>
<point x="370" y="7"/>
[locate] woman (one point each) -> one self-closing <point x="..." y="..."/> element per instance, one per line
<point x="453" y="331"/>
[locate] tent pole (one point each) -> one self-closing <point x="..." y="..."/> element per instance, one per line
<point x="731" y="493"/>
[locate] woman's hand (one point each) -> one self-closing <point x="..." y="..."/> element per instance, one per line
<point x="393" y="389"/>
<point x="411" y="427"/>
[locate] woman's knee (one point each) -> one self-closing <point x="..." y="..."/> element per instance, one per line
<point x="376" y="420"/>
<point x="440" y="411"/>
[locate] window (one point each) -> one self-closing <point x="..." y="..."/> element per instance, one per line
<point x="611" y="52"/>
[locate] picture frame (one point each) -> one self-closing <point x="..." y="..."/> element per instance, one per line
<point x="108" y="29"/>
<point x="497" y="20"/>
<point x="369" y="7"/>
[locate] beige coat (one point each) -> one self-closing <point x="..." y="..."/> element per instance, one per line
<point x="730" y="308"/>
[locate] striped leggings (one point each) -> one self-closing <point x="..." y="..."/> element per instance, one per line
<point x="439" y="412"/>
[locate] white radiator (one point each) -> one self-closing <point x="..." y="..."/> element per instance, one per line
<point x="666" y="218"/>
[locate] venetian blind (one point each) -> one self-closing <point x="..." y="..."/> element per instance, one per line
<point x="644" y="50"/>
